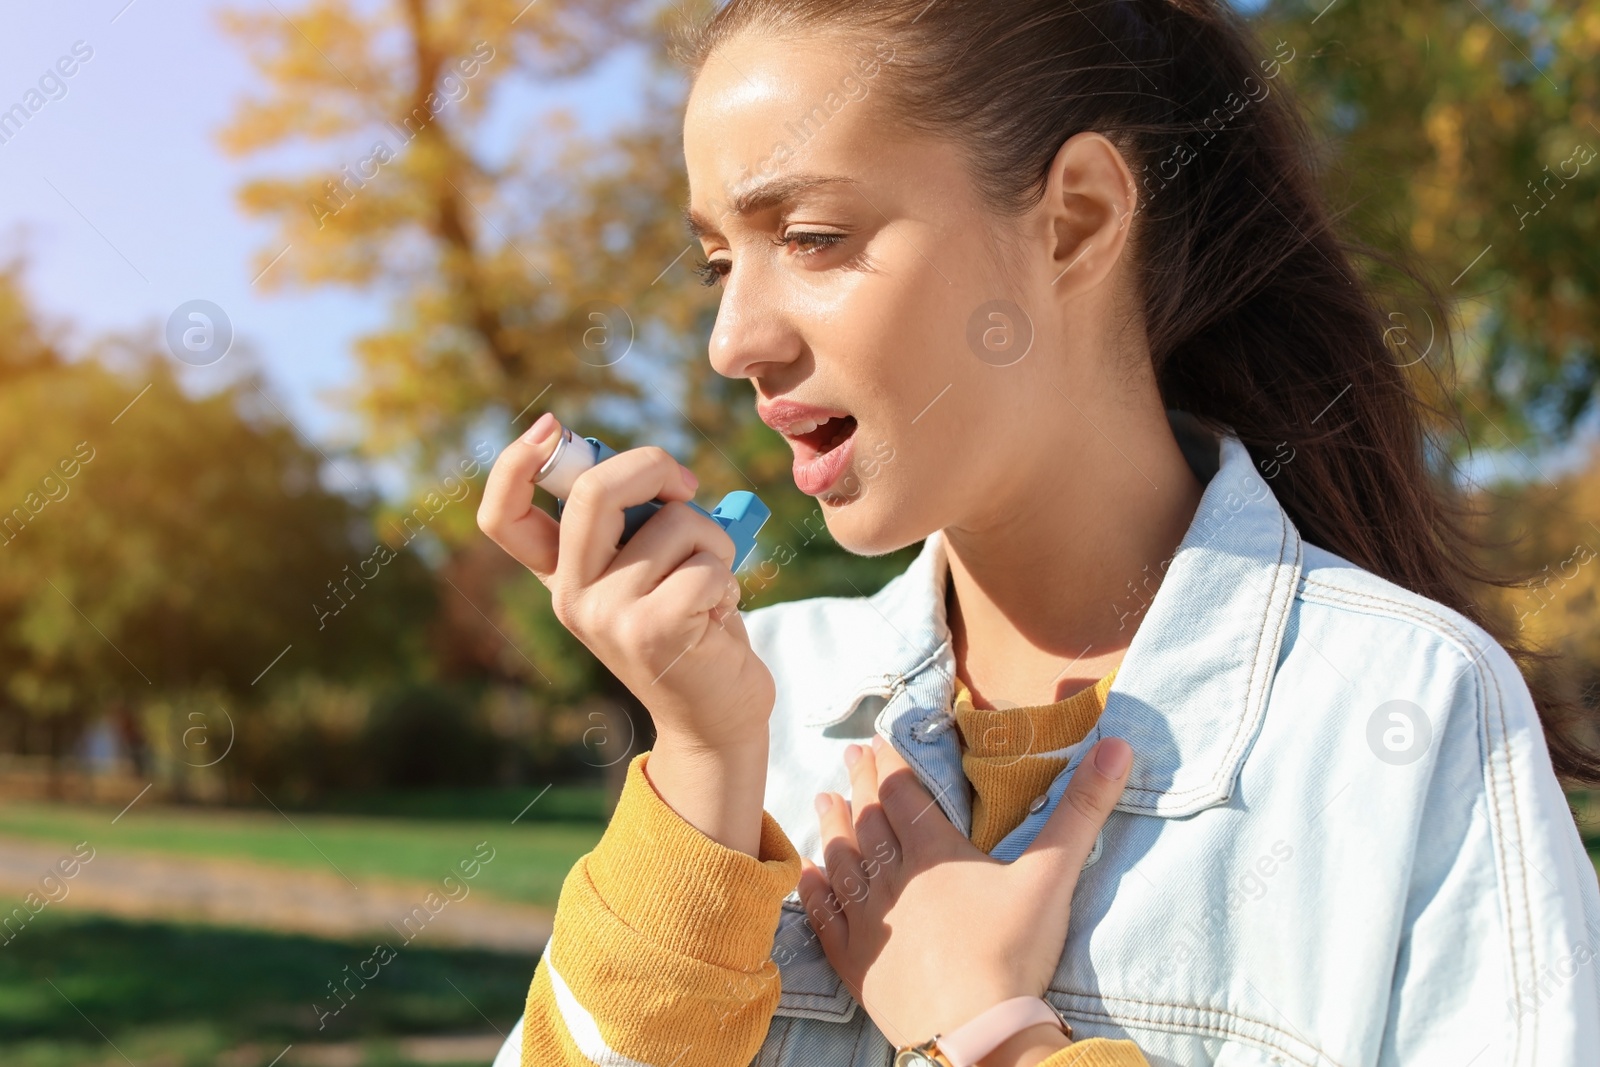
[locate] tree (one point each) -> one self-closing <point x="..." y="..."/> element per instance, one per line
<point x="157" y="543"/>
<point x="1468" y="136"/>
<point x="1551" y="532"/>
<point x="393" y="96"/>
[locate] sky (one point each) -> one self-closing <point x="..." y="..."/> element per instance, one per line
<point x="122" y="202"/>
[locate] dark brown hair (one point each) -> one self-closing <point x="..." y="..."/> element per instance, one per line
<point x="1257" y="318"/>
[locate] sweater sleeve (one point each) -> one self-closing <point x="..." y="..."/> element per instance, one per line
<point x="1098" y="1052"/>
<point x="661" y="949"/>
<point x="662" y="942"/>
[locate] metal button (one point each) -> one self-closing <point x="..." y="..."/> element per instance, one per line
<point x="1038" y="803"/>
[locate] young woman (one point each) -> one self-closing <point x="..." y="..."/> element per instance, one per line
<point x="1187" y="658"/>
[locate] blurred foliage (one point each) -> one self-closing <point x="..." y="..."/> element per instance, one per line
<point x="1550" y="531"/>
<point x="1468" y="136"/>
<point x="427" y="736"/>
<point x="185" y="568"/>
<point x="394" y="96"/>
<point x="161" y="545"/>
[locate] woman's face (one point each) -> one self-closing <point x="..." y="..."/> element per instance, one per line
<point x="870" y="284"/>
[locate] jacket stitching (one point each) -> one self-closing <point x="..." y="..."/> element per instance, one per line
<point x="1527" y="913"/>
<point x="855" y="1050"/>
<point x="783" y="1042"/>
<point x="1213" y="1016"/>
<point x="1235" y="743"/>
<point x="1272" y="598"/>
<point x="1447" y="628"/>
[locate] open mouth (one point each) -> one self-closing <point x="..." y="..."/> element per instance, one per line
<point x="822" y="454"/>
<point x="827" y="436"/>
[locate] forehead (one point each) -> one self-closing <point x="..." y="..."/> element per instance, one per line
<point x="769" y="118"/>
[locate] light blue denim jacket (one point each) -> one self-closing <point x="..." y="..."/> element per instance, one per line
<point x="1341" y="842"/>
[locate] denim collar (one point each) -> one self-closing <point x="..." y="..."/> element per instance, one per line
<point x="1192" y="689"/>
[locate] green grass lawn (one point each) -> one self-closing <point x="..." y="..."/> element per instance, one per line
<point x="531" y="857"/>
<point x="179" y="995"/>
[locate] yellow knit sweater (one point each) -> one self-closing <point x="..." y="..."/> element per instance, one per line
<point x="1011" y="755"/>
<point x="661" y="950"/>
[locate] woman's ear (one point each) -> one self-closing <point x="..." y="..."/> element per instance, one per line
<point x="1090" y="199"/>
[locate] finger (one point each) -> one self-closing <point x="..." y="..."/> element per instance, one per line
<point x="726" y="613"/>
<point x="698" y="587"/>
<point x="672" y="535"/>
<point x="507" y="513"/>
<point x="840" y="852"/>
<point x="912" y="813"/>
<point x="874" y="836"/>
<point x="1068" y="835"/>
<point x="823" y="910"/>
<point x="688" y="600"/>
<point x="592" y="519"/>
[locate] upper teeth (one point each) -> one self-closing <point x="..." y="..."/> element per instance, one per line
<point x="804" y="426"/>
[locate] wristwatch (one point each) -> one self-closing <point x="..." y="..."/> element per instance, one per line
<point x="973" y="1040"/>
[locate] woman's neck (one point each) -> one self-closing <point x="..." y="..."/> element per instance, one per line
<point x="1046" y="599"/>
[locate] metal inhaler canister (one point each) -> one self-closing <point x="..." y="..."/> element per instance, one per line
<point x="740" y="513"/>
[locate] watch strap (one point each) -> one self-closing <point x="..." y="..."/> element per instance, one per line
<point x="973" y="1040"/>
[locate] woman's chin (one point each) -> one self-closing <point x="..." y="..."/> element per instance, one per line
<point x="863" y="527"/>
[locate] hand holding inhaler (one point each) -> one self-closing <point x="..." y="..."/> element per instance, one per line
<point x="644" y="578"/>
<point x="741" y="513"/>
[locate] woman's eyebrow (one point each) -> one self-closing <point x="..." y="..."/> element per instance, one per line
<point x="759" y="197"/>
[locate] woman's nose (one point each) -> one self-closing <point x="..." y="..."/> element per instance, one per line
<point x="750" y="341"/>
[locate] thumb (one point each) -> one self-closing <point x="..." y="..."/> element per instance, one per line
<point x="1068" y="835"/>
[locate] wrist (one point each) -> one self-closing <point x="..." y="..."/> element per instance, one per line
<point x="717" y="789"/>
<point x="742" y="749"/>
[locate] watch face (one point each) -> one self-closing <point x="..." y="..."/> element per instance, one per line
<point x="913" y="1058"/>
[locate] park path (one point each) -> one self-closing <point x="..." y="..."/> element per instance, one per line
<point x="150" y="885"/>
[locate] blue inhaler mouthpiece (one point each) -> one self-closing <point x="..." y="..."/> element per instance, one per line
<point x="740" y="513"/>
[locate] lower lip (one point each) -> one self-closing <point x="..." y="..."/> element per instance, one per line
<point x="814" y="476"/>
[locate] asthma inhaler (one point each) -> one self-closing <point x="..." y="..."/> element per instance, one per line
<point x="741" y="513"/>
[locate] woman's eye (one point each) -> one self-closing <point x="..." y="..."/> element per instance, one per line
<point x="814" y="242"/>
<point x="712" y="272"/>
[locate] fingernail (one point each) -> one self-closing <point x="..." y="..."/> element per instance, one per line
<point x="852" y="755"/>
<point x="1112" y="759"/>
<point x="688" y="478"/>
<point x="824" y="802"/>
<point x="543" y="428"/>
<point x="877" y="742"/>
